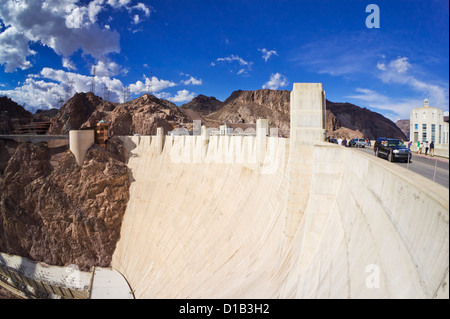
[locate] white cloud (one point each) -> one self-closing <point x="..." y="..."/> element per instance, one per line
<point x="233" y="58"/>
<point x="244" y="66"/>
<point x="68" y="64"/>
<point x="152" y="85"/>
<point x="14" y="50"/>
<point x="396" y="73"/>
<point x="61" y="25"/>
<point x="191" y="80"/>
<point x="393" y="108"/>
<point x="381" y="66"/>
<point x="267" y="54"/>
<point x="276" y="80"/>
<point x="400" y="64"/>
<point x="107" y="68"/>
<point x="181" y="96"/>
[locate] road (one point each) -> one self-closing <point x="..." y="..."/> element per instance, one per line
<point x="436" y="169"/>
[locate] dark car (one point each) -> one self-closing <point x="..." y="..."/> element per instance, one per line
<point x="357" y="142"/>
<point x="392" y="149"/>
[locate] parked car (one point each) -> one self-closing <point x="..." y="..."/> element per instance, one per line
<point x="392" y="149"/>
<point x="357" y="142"/>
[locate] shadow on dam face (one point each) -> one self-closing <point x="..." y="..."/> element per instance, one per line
<point x="268" y="217"/>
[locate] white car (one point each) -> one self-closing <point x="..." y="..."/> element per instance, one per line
<point x="357" y="142"/>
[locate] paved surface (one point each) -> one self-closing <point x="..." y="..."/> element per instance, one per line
<point x="434" y="168"/>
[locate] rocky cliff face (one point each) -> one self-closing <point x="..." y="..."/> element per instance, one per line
<point x="363" y="122"/>
<point x="343" y="119"/>
<point x="248" y="106"/>
<point x="11" y="113"/>
<point x="139" y="116"/>
<point x="203" y="104"/>
<point x="75" y="112"/>
<point x="63" y="214"/>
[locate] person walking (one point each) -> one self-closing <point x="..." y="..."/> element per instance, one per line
<point x="432" y="148"/>
<point x="409" y="145"/>
<point x="426" y="148"/>
<point x="418" y="147"/>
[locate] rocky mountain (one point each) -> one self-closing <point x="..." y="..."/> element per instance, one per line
<point x="403" y="125"/>
<point x="63" y="213"/>
<point x="139" y="116"/>
<point x="248" y="106"/>
<point x="11" y="114"/>
<point x="343" y="119"/>
<point x="362" y="122"/>
<point x="203" y="105"/>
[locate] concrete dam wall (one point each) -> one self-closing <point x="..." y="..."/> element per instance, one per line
<point x="268" y="217"/>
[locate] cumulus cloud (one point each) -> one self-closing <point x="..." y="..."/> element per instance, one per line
<point x="107" y="68"/>
<point x="276" y="81"/>
<point x="152" y="85"/>
<point x="191" y="80"/>
<point x="68" y="64"/>
<point x="181" y="96"/>
<point x="266" y="54"/>
<point x="65" y="26"/>
<point x="400" y="64"/>
<point x="61" y="25"/>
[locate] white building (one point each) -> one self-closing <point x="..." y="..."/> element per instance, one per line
<point x="427" y="124"/>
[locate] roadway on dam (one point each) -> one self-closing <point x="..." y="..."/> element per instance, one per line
<point x="433" y="168"/>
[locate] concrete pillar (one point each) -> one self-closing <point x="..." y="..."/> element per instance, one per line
<point x="80" y="141"/>
<point x="262" y="130"/>
<point x="307" y="128"/>
<point x="159" y="139"/>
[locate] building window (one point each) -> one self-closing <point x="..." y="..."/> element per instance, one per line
<point x="424" y="132"/>
<point x="416" y="126"/>
<point x="440" y="133"/>
<point x="424" y="115"/>
<point x="433" y="132"/>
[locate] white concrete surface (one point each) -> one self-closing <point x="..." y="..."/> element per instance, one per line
<point x="208" y="219"/>
<point x="80" y="141"/>
<point x="107" y="283"/>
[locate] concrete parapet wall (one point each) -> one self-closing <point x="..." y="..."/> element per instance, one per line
<point x="370" y="231"/>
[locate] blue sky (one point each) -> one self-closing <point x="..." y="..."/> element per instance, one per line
<point x="178" y="49"/>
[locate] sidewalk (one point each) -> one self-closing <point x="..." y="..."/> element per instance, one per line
<point x="438" y="158"/>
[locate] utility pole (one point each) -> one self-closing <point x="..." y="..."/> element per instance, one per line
<point x="126" y="94"/>
<point x="93" y="80"/>
<point x="69" y="89"/>
<point x="106" y="93"/>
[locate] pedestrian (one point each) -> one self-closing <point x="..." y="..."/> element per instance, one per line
<point x="339" y="141"/>
<point x="409" y="145"/>
<point x="432" y="148"/>
<point x="418" y="147"/>
<point x="344" y="142"/>
<point x="426" y="148"/>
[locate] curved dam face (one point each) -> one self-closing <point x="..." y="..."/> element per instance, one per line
<point x="268" y="217"/>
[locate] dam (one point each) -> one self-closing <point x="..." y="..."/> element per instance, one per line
<point x="268" y="217"/>
<point x="238" y="216"/>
